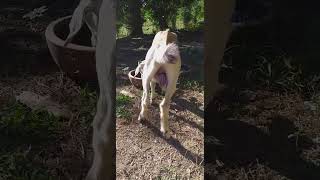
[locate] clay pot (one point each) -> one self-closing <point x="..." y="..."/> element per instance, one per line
<point x="77" y="59"/>
<point x="136" y="81"/>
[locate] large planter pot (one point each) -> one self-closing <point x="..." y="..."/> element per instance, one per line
<point x="77" y="59"/>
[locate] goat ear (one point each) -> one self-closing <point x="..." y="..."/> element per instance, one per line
<point x="172" y="53"/>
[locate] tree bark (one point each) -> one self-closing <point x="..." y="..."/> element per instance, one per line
<point x="135" y="19"/>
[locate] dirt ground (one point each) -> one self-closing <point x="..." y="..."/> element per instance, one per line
<point x="262" y="135"/>
<point x="143" y="153"/>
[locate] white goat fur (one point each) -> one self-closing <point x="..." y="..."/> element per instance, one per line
<point x="161" y="52"/>
<point x="100" y="16"/>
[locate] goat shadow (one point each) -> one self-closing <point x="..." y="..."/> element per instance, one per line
<point x="195" y="158"/>
<point x="242" y="143"/>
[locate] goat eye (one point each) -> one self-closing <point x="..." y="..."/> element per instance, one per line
<point x="171" y="57"/>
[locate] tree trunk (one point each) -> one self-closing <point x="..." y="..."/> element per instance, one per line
<point x="163" y="23"/>
<point x="135" y="19"/>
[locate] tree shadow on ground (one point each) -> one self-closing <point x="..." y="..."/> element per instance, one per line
<point x="242" y="143"/>
<point x="195" y="158"/>
<point x="190" y="106"/>
<point x="180" y="104"/>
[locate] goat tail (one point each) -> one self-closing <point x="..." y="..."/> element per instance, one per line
<point x="171" y="54"/>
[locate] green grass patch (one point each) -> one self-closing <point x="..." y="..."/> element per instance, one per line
<point x="87" y="108"/>
<point x="168" y="174"/>
<point x="23" y="133"/>
<point x="19" y="123"/>
<point x="267" y="67"/>
<point x="123" y="102"/>
<point x="122" y="32"/>
<point x="20" y="166"/>
<point x="188" y="84"/>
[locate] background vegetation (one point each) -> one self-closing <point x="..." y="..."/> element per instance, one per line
<point x="138" y="17"/>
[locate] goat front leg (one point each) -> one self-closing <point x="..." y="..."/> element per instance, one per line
<point x="165" y="106"/>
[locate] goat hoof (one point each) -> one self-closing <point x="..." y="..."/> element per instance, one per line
<point x="153" y="103"/>
<point x="141" y="118"/>
<point x="165" y="134"/>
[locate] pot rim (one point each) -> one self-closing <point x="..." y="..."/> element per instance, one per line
<point x="133" y="77"/>
<point x="53" y="38"/>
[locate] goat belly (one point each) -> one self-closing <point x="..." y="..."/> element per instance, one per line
<point x="161" y="77"/>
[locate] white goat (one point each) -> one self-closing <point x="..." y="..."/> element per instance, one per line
<point x="103" y="29"/>
<point x="161" y="65"/>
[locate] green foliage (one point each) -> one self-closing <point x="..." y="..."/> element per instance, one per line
<point x="20" y="166"/>
<point x="88" y="101"/>
<point x="159" y="14"/>
<point x="162" y="11"/>
<point x="17" y="122"/>
<point x="186" y="83"/>
<point x="265" y="66"/>
<point x="122" y="102"/>
<point x="22" y="131"/>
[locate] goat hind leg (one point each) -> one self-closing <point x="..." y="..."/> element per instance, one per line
<point x="153" y="90"/>
<point x="148" y="73"/>
<point x="165" y="106"/>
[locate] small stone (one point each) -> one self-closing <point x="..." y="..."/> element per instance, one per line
<point x="127" y="93"/>
<point x="35" y="101"/>
<point x="308" y="105"/>
<point x="316" y="140"/>
<point x="248" y="95"/>
<point x="219" y="163"/>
